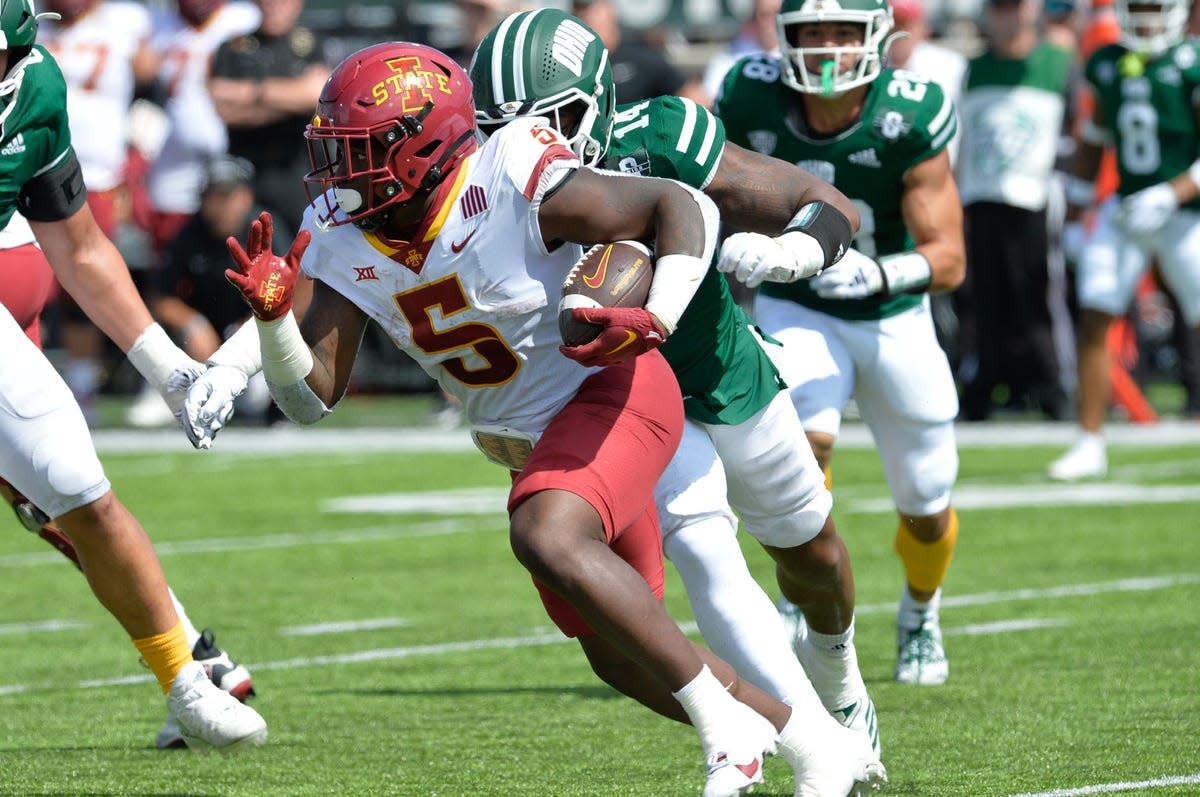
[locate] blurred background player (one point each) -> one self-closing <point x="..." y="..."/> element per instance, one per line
<point x="862" y="329"/>
<point x="743" y="444"/>
<point x="103" y="49"/>
<point x="756" y="35"/>
<point x="640" y="71"/>
<point x="186" y="43"/>
<point x="189" y="296"/>
<point x="1012" y="112"/>
<point x="264" y="86"/>
<point x="1152" y="74"/>
<point x="45" y="449"/>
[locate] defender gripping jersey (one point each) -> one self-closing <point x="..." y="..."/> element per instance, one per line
<point x="722" y="370"/>
<point x="906" y="119"/>
<point x="473" y="298"/>
<point x="1150" y="107"/>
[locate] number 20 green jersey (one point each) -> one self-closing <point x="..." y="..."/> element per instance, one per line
<point x="722" y="370"/>
<point x="906" y="119"/>
<point x="1150" y="107"/>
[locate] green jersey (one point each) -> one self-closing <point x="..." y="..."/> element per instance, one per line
<point x="906" y="119"/>
<point x="722" y="370"/>
<point x="1150" y="108"/>
<point x="34" y="136"/>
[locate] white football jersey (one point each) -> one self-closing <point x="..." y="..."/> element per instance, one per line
<point x="96" y="56"/>
<point x="196" y="133"/>
<point x="474" y="298"/>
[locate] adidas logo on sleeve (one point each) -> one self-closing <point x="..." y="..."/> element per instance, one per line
<point x="14" y="147"/>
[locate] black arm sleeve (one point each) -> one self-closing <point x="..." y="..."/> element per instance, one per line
<point x="828" y="225"/>
<point x="56" y="193"/>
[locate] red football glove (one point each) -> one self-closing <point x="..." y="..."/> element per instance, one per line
<point x="267" y="281"/>
<point x="628" y="332"/>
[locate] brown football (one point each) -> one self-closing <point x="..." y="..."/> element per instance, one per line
<point x="608" y="275"/>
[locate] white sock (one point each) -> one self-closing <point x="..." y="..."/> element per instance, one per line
<point x="831" y="662"/>
<point x="915" y="614"/>
<point x="735" y="616"/>
<point x="192" y="634"/>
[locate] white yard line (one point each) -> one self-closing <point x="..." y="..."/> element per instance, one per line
<point x="41" y="627"/>
<point x="345" y="627"/>
<point x="1113" y="788"/>
<point x="553" y="637"/>
<point x="270" y="442"/>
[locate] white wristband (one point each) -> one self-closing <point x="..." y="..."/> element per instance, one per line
<point x="1193" y="173"/>
<point x="155" y="356"/>
<point x="676" y="279"/>
<point x="286" y="357"/>
<point x="907" y="272"/>
<point x="240" y="351"/>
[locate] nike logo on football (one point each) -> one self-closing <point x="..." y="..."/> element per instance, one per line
<point x="458" y="246"/>
<point x="596" y="278"/>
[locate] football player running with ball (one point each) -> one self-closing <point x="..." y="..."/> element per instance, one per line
<point x="863" y="329"/>
<point x="743" y="446"/>
<point x="459" y="252"/>
<point x="1147" y="91"/>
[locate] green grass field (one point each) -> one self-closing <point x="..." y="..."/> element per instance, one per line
<point x="398" y="649"/>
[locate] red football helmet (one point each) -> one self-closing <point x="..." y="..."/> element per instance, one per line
<point x="394" y="120"/>
<point x="70" y="10"/>
<point x="197" y="12"/>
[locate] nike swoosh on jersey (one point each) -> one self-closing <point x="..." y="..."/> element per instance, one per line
<point x="458" y="246"/>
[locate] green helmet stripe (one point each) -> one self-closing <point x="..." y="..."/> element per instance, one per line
<point x="499" y="46"/>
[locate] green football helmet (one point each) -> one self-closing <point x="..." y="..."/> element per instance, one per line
<point x="874" y="15"/>
<point x="1150" y="27"/>
<point x="540" y="63"/>
<point x="18" y="33"/>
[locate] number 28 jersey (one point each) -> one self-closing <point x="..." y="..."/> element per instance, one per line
<point x="473" y="298"/>
<point x="906" y="119"/>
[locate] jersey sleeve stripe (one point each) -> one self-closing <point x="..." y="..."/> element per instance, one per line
<point x="689" y="126"/>
<point x="945" y="114"/>
<point x="710" y="135"/>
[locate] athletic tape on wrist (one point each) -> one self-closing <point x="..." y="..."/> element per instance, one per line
<point x="828" y="225"/>
<point x="240" y="351"/>
<point x="1193" y="173"/>
<point x="907" y="272"/>
<point x="155" y="356"/>
<point x="676" y="278"/>
<point x="286" y="357"/>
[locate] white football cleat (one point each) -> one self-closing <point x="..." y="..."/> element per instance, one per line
<point x="860" y="718"/>
<point x="921" y="656"/>
<point x="832" y="761"/>
<point x="1087" y="459"/>
<point x="222" y="670"/>
<point x="210" y="718"/>
<point x="737" y="767"/>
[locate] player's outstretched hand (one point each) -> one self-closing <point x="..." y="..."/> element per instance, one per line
<point x="209" y="403"/>
<point x="628" y="332"/>
<point x="266" y="280"/>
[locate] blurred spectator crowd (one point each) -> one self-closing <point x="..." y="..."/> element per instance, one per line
<point x="187" y="116"/>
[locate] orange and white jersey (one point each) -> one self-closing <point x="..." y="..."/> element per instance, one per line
<point x="474" y="297"/>
<point x="96" y="55"/>
<point x="195" y="132"/>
